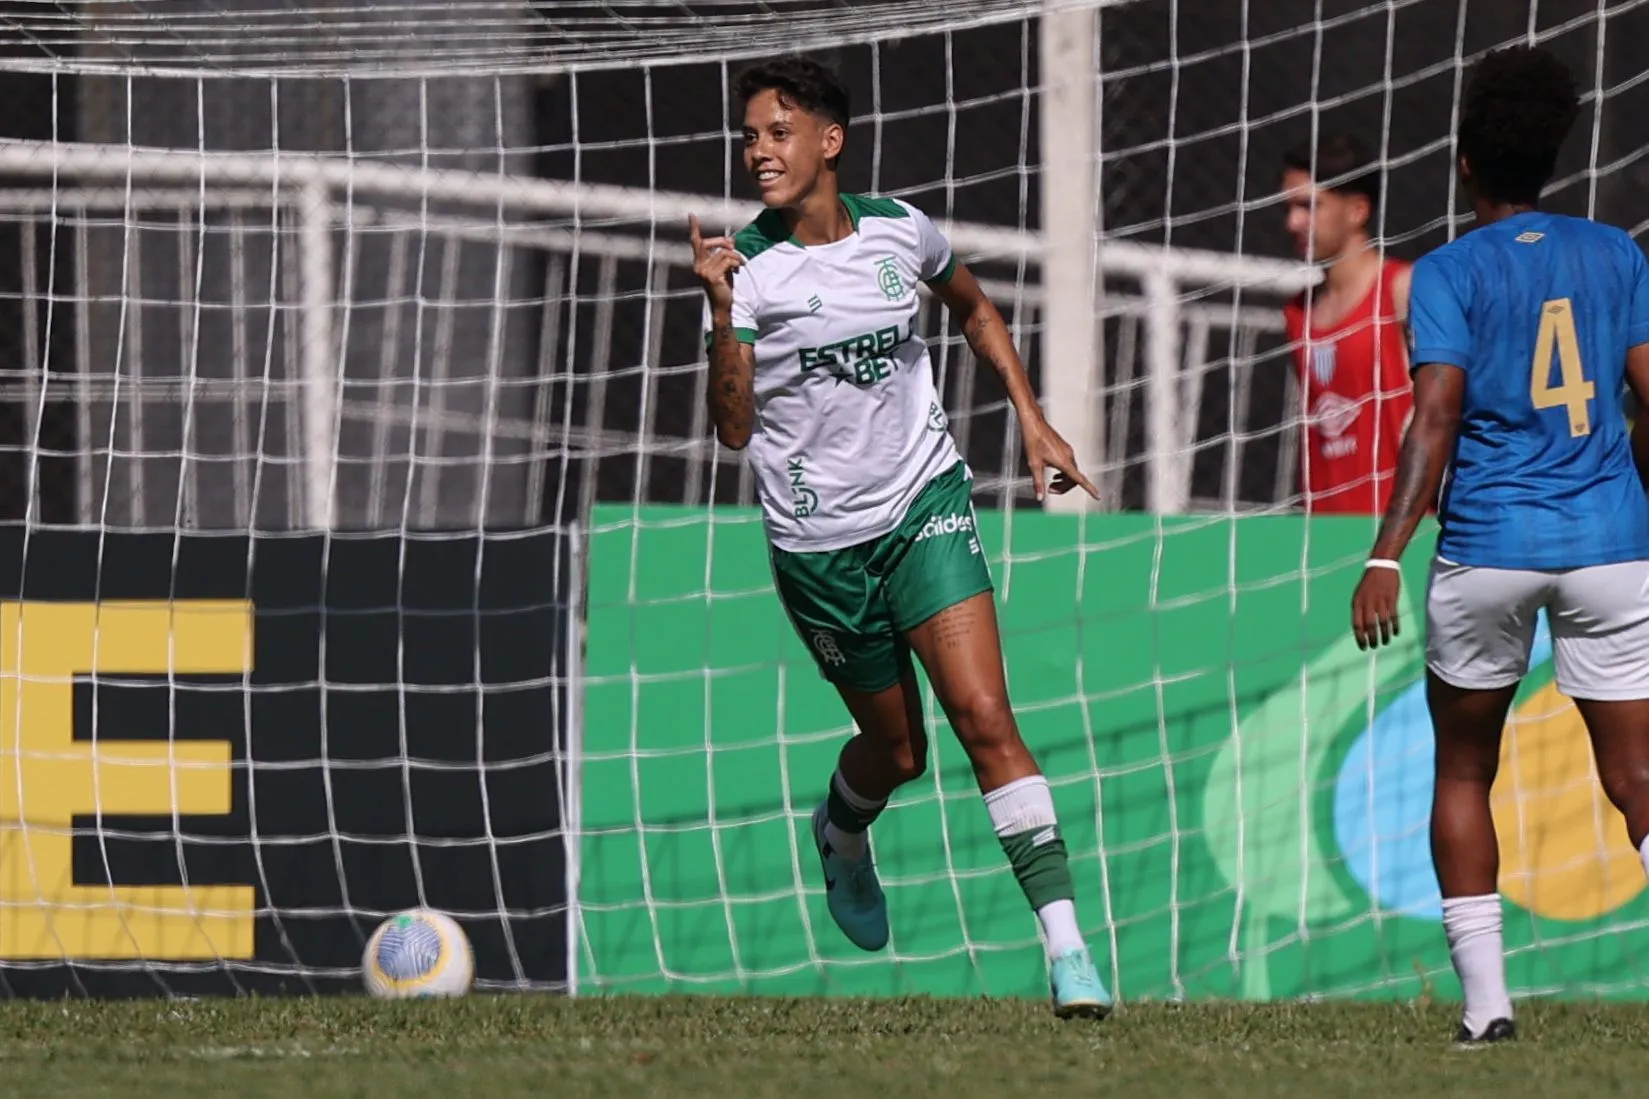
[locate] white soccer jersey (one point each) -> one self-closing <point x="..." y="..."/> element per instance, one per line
<point x="848" y="424"/>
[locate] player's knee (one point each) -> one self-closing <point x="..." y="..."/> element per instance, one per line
<point x="910" y="759"/>
<point x="1472" y="761"/>
<point x="1470" y="769"/>
<point x="900" y="748"/>
<point x="1625" y="786"/>
<point x="984" y="722"/>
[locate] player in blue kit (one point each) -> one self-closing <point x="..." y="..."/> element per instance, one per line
<point x="1524" y="334"/>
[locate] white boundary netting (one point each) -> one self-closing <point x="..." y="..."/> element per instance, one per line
<point x="419" y="269"/>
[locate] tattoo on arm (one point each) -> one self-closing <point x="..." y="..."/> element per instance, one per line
<point x="731" y="389"/>
<point x="991" y="342"/>
<point x="1413" y="477"/>
<point x="980" y="331"/>
<point x="1420" y="465"/>
<point x="1427" y="447"/>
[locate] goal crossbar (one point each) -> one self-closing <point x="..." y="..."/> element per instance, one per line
<point x="325" y="193"/>
<point x="582" y="201"/>
<point x="493" y="38"/>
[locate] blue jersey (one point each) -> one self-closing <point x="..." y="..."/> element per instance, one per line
<point x="1538" y="310"/>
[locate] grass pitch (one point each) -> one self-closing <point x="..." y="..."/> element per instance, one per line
<point x="506" y="1046"/>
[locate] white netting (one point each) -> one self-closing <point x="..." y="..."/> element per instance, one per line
<point x="415" y="38"/>
<point x="390" y="389"/>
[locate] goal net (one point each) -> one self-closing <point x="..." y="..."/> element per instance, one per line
<point x="370" y="544"/>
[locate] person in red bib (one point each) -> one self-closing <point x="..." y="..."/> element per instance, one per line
<point x="1347" y="333"/>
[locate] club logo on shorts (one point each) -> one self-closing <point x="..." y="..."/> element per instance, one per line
<point x="824" y="643"/>
<point x="887" y="277"/>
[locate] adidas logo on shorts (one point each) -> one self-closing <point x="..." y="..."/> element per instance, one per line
<point x="945" y="524"/>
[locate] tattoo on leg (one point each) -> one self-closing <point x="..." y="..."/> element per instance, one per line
<point x="953" y="627"/>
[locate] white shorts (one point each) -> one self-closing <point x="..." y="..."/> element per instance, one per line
<point x="1480" y="625"/>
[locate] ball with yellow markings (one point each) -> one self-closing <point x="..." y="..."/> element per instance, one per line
<point x="417" y="953"/>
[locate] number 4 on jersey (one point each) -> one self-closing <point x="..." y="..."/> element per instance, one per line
<point x="1557" y="333"/>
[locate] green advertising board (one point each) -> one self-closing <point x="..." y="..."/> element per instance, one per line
<point x="1245" y="795"/>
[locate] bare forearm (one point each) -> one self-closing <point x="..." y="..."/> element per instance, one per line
<point x="730" y="386"/>
<point x="988" y="337"/>
<point x="1420" y="466"/>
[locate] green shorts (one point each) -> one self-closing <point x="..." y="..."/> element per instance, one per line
<point x="852" y="606"/>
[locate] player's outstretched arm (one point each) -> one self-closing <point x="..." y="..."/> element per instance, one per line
<point x="987" y="334"/>
<point x="730" y="385"/>
<point x="1438" y="392"/>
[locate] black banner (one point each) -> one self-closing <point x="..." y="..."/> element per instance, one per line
<point x="224" y="758"/>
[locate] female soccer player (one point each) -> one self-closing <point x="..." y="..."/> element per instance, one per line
<point x="1526" y="332"/>
<point x="817" y="369"/>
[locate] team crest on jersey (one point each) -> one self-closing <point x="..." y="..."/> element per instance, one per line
<point x="1322" y="362"/>
<point x="887" y="277"/>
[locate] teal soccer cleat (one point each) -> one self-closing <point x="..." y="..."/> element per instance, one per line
<point x="852" y="893"/>
<point x="1077" y="990"/>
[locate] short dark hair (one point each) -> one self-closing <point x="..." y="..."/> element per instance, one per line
<point x="802" y="82"/>
<point x="1341" y="164"/>
<point x="1518" y="109"/>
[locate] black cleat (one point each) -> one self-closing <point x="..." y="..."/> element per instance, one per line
<point x="1500" y="1030"/>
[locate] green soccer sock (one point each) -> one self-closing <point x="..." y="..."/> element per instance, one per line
<point x="1041" y="864"/>
<point x="1022" y="812"/>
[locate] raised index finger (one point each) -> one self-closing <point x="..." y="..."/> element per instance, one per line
<point x="693" y="234"/>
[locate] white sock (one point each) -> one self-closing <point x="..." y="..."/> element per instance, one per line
<point x="1023" y="805"/>
<point x="1058" y="919"/>
<point x="1643" y="853"/>
<point x="1472" y="925"/>
<point x="851" y="845"/>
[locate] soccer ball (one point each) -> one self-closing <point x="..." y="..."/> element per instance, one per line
<point x="417" y="953"/>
